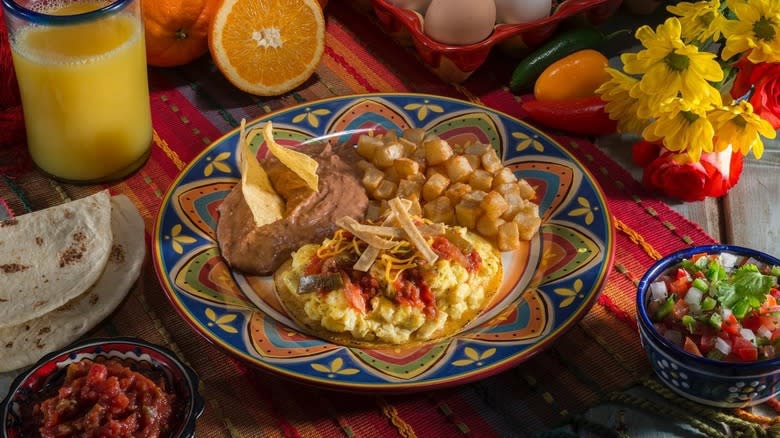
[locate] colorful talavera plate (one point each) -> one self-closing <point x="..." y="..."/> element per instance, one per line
<point x="548" y="285"/>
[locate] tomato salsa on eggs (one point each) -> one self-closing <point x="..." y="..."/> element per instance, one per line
<point x="103" y="399"/>
<point x="723" y="307"/>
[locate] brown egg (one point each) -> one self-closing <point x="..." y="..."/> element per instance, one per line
<point x="460" y="22"/>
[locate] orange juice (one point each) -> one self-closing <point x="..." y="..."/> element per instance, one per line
<point x="85" y="94"/>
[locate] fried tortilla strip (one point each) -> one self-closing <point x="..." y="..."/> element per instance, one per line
<point x="397" y="233"/>
<point x="349" y="224"/>
<point x="405" y="220"/>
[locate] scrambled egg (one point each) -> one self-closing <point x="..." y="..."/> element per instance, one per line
<point x="458" y="293"/>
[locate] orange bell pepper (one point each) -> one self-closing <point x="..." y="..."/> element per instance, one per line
<point x="572" y="77"/>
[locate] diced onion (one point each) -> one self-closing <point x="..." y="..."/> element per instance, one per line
<point x="658" y="291"/>
<point x="728" y="260"/>
<point x="693" y="296"/>
<point x="722" y="346"/>
<point x="764" y="332"/>
<point x="748" y="334"/>
<point x="725" y="312"/>
<point x="694" y="308"/>
<point x="674" y="336"/>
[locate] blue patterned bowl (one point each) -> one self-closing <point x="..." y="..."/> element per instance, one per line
<point x="707" y="381"/>
<point x="180" y="377"/>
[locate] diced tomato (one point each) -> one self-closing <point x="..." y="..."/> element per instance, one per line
<point x="751" y="321"/>
<point x="770" y="305"/>
<point x="731" y="325"/>
<point x="680" y="284"/>
<point x="680" y="309"/>
<point x="744" y="349"/>
<point x="449" y="251"/>
<point x="706" y="343"/>
<point x="691" y="347"/>
<point x="697" y="256"/>
<point x="775" y="293"/>
<point x="699" y="274"/>
<point x="314" y="267"/>
<point x="353" y="294"/>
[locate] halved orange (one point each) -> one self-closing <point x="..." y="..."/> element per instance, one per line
<point x="267" y="47"/>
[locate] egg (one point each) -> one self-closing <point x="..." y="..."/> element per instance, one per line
<point x="417" y="5"/>
<point x="460" y="22"/>
<point x="522" y="11"/>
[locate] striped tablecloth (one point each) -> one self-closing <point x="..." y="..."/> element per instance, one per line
<point x="592" y="363"/>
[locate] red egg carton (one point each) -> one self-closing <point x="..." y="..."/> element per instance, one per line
<point x="454" y="64"/>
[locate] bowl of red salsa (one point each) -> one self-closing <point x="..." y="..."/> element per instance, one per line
<point x="709" y="320"/>
<point x="110" y="387"/>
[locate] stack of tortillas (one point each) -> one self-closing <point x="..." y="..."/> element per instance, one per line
<point x="62" y="271"/>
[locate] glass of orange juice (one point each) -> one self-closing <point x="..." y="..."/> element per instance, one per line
<point x="81" y="68"/>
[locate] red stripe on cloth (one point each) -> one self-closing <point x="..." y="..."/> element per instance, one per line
<point x="360" y="56"/>
<point x="351" y="70"/>
<point x="613" y="308"/>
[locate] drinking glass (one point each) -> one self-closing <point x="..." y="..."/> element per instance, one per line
<point x="81" y="68"/>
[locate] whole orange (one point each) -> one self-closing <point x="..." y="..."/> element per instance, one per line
<point x="176" y="31"/>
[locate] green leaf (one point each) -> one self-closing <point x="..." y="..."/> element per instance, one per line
<point x="750" y="282"/>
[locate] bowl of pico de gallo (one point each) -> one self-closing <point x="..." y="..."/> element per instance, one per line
<point x="709" y="320"/>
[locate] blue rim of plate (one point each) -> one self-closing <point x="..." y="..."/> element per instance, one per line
<point x="569" y="294"/>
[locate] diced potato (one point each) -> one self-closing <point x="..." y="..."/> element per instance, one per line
<point x="386" y="155"/>
<point x="409" y="146"/>
<point x="406" y="167"/>
<point x="504" y="176"/>
<point x="467" y="213"/>
<point x="419" y="156"/>
<point x="476" y="196"/>
<point x="488" y="226"/>
<point x="491" y="162"/>
<point x="526" y="191"/>
<point x="415" y="209"/>
<point x="420" y="177"/>
<point x="458" y="168"/>
<point x="434" y="187"/>
<point x="508" y="236"/>
<point x="433" y="170"/>
<point x="481" y="180"/>
<point x="476" y="149"/>
<point x="527" y="225"/>
<point x="440" y="210"/>
<point x="516" y="203"/>
<point x="407" y="188"/>
<point x="367" y="146"/>
<point x="529" y="209"/>
<point x="392" y="174"/>
<point x="437" y="151"/>
<point x="494" y="205"/>
<point x="507" y="189"/>
<point x="363" y="165"/>
<point x="372" y="177"/>
<point x="474" y="160"/>
<point x="457" y="191"/>
<point x="390" y="137"/>
<point x="386" y="190"/>
<point x="374" y="210"/>
<point x="415" y="135"/>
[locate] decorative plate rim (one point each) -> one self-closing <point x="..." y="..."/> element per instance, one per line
<point x="387" y="387"/>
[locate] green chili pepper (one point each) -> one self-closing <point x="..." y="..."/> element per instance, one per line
<point x="564" y="44"/>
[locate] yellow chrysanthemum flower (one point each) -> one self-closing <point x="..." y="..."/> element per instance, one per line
<point x="700" y="21"/>
<point x="620" y="105"/>
<point x="683" y="128"/>
<point x="756" y="29"/>
<point x="671" y="69"/>
<point x="737" y="125"/>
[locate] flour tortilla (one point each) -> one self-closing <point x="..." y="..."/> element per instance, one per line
<point x="51" y="256"/>
<point x="22" y="345"/>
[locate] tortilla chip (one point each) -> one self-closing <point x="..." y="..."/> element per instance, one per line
<point x="266" y="205"/>
<point x="301" y="164"/>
